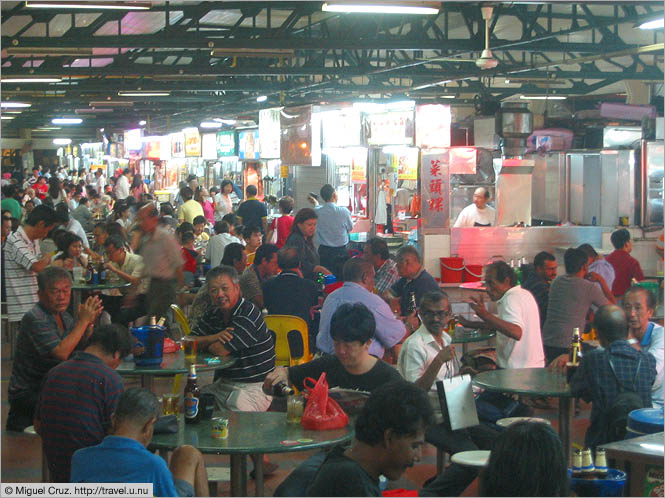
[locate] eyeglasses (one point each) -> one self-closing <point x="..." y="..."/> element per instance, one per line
<point x="439" y="314"/>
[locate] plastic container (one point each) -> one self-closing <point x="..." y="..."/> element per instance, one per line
<point x="150" y="341"/>
<point x="452" y="270"/>
<point x="611" y="485"/>
<point x="644" y="421"/>
<point x="473" y="273"/>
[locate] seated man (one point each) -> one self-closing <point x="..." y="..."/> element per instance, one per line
<point x="539" y="280"/>
<point x="122" y="456"/>
<point x="389" y="436"/>
<point x="639" y="305"/>
<point x="289" y="293"/>
<point x="251" y="236"/>
<point x="351" y="367"/>
<point x="626" y="268"/>
<point x="129" y="267"/>
<point x="595" y="379"/>
<point x="376" y="251"/>
<point x="67" y="421"/>
<point x="426" y="357"/>
<point x="263" y="267"/>
<point x="201" y="237"/>
<point x="518" y="340"/>
<point x="234" y="326"/>
<point x="599" y="265"/>
<point x="357" y="288"/>
<point x="217" y="243"/>
<point x="47" y="335"/>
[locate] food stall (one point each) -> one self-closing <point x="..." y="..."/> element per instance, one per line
<point x="249" y="157"/>
<point x="275" y="180"/>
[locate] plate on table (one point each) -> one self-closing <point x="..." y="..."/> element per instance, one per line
<point x="476" y="458"/>
<point x="473" y="285"/>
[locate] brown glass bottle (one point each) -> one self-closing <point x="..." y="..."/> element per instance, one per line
<point x="192" y="397"/>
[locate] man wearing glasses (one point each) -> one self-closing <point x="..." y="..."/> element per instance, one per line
<point x="426" y="357"/>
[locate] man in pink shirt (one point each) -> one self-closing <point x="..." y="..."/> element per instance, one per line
<point x="625" y="266"/>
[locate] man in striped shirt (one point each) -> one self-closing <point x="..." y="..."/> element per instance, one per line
<point x="23" y="260"/>
<point x="234" y="326"/>
<point x="78" y="398"/>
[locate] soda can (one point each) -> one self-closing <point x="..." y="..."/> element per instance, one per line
<point x="220" y="428"/>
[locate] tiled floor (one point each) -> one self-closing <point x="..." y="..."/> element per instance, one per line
<point x="21" y="453"/>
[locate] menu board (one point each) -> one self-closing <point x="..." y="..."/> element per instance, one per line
<point x="192" y="142"/>
<point x="269" y="136"/>
<point x="226" y="143"/>
<point x="407" y="163"/>
<point x="435" y="202"/>
<point x="177" y="145"/>
<point x="152" y="147"/>
<point x="341" y="128"/>
<point x="433" y="126"/>
<point x="248" y="144"/>
<point x="209" y="146"/>
<point x="391" y="128"/>
<point x="300" y="143"/>
<point x="132" y="140"/>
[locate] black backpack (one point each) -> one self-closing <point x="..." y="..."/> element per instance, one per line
<point x="625" y="402"/>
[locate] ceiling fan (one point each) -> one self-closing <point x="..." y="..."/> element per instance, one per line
<point x="486" y="59"/>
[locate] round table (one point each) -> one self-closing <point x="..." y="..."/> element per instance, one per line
<point x="250" y="433"/>
<point x="537" y="382"/>
<point x="465" y="336"/>
<point x="173" y="364"/>
<point x="77" y="288"/>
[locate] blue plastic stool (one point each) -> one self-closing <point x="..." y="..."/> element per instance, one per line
<point x="611" y="485"/>
<point x="644" y="421"/>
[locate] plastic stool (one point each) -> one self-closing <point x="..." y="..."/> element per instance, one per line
<point x="475" y="458"/>
<point x="644" y="421"/>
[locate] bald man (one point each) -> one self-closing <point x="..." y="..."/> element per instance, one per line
<point x="478" y="214"/>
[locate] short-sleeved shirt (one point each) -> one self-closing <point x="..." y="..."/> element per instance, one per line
<point x="252" y="345"/>
<point x="334" y="225"/>
<point x="250" y="283"/>
<point x="625" y="269"/>
<point x="418" y="352"/>
<point x="38" y="336"/>
<point x="21" y="282"/>
<point x="472" y="216"/>
<point x="122" y="459"/>
<point x="283" y="226"/>
<point x="420" y="285"/>
<point x="190" y="210"/>
<point x="569" y="301"/>
<point x="252" y="211"/>
<point x="518" y="306"/>
<point x="386" y="276"/>
<point x="652" y="342"/>
<point x="75" y="227"/>
<point x="603" y="268"/>
<point x="341" y="476"/>
<point x="161" y="254"/>
<point x="540" y="290"/>
<point x="337" y="376"/>
<point x="307" y="254"/>
<point x="74" y="409"/>
<point x="134" y="266"/>
<point x="290" y="294"/>
<point x="216" y="246"/>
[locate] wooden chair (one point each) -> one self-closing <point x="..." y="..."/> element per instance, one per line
<point x="291" y="339"/>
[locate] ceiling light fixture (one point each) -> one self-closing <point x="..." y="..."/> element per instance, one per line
<point x="230" y="122"/>
<point x="261" y="98"/>
<point x="144" y="94"/>
<point x="66" y="121"/>
<point x="47" y="128"/>
<point x="210" y="124"/>
<point x="142" y="122"/>
<point x="62" y="141"/>
<point x="423" y="8"/>
<point x="653" y="24"/>
<point x="14" y="105"/>
<point x="89" y="5"/>
<point x="42" y="51"/>
<point x="543" y="97"/>
<point x="111" y="103"/>
<point x="17" y="79"/>
<point x="7" y="117"/>
<point x="252" y="52"/>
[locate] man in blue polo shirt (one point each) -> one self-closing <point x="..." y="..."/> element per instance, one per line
<point x="253" y="212"/>
<point x="68" y="421"/>
<point x="123" y="457"/>
<point x="332" y="231"/>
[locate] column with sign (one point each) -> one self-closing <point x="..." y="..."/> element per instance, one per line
<point x="435" y="195"/>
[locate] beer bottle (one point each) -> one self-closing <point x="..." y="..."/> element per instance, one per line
<point x="281" y="390"/>
<point x="89" y="273"/>
<point x="411" y="303"/>
<point x="192" y="396"/>
<point x="575" y="348"/>
<point x="102" y="272"/>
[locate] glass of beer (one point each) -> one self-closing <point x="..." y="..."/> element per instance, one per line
<point x="189" y="345"/>
<point x="170" y="404"/>
<point x="295" y="405"/>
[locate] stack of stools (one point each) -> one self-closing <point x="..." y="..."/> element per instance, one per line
<point x="644" y="421"/>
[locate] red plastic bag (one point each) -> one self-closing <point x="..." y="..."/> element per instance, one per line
<point x="321" y="412"/>
<point x="391" y="493"/>
<point x="170" y="346"/>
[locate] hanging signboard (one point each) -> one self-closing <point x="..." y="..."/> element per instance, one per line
<point x="341" y="128"/>
<point x="177" y="145"/>
<point x="269" y="136"/>
<point x="407" y="163"/>
<point x="226" y="143"/>
<point x="132" y="140"/>
<point x="435" y="202"/>
<point x="248" y="144"/>
<point x="391" y="128"/>
<point x="300" y="143"/>
<point x="152" y="147"/>
<point x="209" y="146"/>
<point x="433" y="126"/>
<point x="192" y="142"/>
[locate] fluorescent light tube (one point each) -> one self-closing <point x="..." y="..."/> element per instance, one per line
<point x="17" y="79"/>
<point x="378" y="9"/>
<point x="210" y="124"/>
<point x="88" y="5"/>
<point x="142" y="122"/>
<point x="542" y="97"/>
<point x="655" y="24"/>
<point x="7" y="117"/>
<point x="14" y="105"/>
<point x="62" y="141"/>
<point x="144" y="94"/>
<point x="261" y="98"/>
<point x="66" y="121"/>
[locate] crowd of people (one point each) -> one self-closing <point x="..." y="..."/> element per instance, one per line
<point x="221" y="251"/>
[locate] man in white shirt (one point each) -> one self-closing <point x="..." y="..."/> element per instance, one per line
<point x="518" y="340"/>
<point x="639" y="305"/>
<point x="478" y="214"/>
<point x="71" y="225"/>
<point x="122" y="185"/>
<point x="218" y="242"/>
<point x="99" y="182"/>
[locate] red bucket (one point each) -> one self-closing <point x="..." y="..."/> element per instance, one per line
<point x="473" y="273"/>
<point x="451" y="270"/>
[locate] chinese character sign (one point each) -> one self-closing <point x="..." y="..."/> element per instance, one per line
<point x="434" y="187"/>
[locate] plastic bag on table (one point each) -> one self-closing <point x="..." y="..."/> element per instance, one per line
<point x="322" y="412"/>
